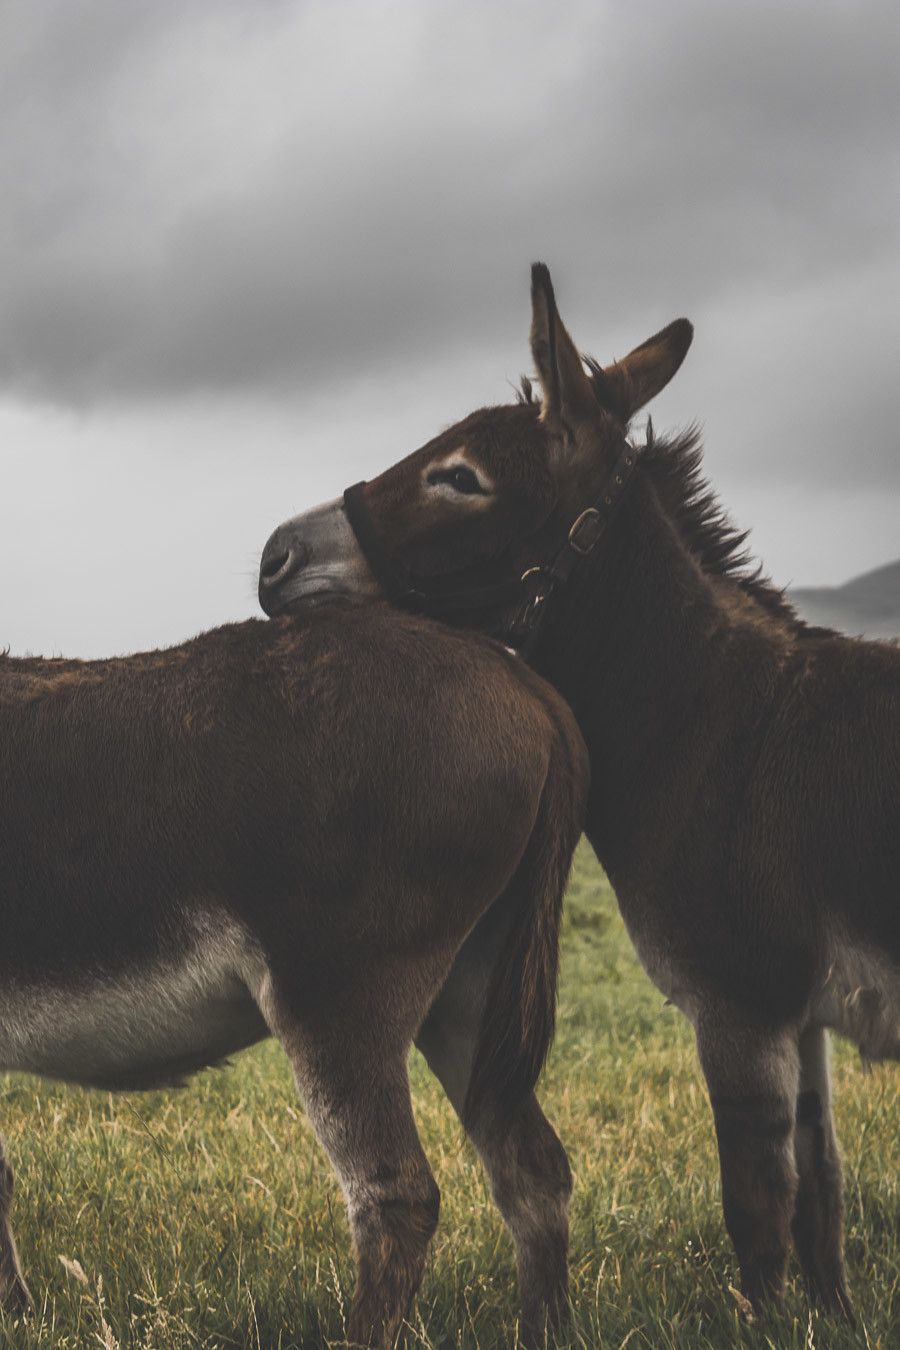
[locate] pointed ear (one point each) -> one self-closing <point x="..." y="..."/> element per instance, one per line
<point x="568" y="395"/>
<point x="627" y="385"/>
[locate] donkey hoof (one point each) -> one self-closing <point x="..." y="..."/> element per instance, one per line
<point x="539" y="1328"/>
<point x="836" y="1303"/>
<point x="744" y="1306"/>
<point x="16" y="1298"/>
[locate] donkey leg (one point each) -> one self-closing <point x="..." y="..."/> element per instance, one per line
<point x="354" y="1085"/>
<point x="753" y="1077"/>
<point x="531" y="1182"/>
<point x="525" y="1161"/>
<point x="14" y="1295"/>
<point x="819" y="1214"/>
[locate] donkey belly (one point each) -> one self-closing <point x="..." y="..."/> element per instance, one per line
<point x="143" y="1027"/>
<point x="860" y="999"/>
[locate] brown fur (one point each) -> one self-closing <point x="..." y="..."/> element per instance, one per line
<point x="326" y="808"/>
<point x="745" y="796"/>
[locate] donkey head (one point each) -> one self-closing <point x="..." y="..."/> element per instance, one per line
<point x="454" y="527"/>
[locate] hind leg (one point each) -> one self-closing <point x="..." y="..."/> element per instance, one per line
<point x="14" y="1295"/>
<point x="525" y="1161"/>
<point x="753" y="1077"/>
<point x="531" y="1182"/>
<point x="350" y="1068"/>
<point x="819" y="1213"/>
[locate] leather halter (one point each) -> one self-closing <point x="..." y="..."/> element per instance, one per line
<point x="529" y="593"/>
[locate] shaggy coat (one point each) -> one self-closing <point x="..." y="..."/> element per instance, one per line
<point x="346" y="829"/>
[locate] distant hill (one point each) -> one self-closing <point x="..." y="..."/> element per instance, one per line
<point x="869" y="604"/>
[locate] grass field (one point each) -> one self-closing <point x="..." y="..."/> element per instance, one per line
<point x="209" y="1217"/>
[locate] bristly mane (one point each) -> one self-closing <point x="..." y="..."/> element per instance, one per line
<point x="675" y="464"/>
<point x="525" y="393"/>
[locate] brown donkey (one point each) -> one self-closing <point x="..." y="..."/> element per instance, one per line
<point x="745" y="795"/>
<point x="296" y="828"/>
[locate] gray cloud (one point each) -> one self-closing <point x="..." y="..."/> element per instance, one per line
<point x="210" y="195"/>
<point x="327" y="210"/>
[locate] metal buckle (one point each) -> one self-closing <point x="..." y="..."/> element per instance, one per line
<point x="589" y="521"/>
<point x="532" y="572"/>
<point x="531" y="609"/>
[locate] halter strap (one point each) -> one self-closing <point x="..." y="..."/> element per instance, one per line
<point x="415" y="591"/>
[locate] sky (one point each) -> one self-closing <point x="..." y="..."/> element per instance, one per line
<point x="253" y="251"/>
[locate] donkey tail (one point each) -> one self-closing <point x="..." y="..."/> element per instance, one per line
<point x="519" y="1014"/>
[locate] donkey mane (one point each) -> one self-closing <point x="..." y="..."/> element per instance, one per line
<point x="674" y="464"/>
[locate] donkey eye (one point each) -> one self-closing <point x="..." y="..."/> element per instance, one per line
<point x="459" y="478"/>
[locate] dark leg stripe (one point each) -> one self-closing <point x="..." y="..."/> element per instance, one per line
<point x="762" y="1117"/>
<point x="809" y="1108"/>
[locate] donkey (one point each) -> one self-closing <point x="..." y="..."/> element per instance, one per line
<point x="745" y="797"/>
<point x="326" y="828"/>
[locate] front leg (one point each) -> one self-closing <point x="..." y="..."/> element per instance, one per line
<point x="14" y="1295"/>
<point x="819" y="1216"/>
<point x="753" y="1076"/>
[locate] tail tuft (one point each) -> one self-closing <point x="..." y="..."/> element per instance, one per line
<point x="519" y="1014"/>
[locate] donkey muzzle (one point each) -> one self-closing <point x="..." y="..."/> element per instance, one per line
<point x="313" y="558"/>
<point x="284" y="556"/>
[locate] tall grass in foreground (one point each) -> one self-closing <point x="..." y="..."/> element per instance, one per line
<point x="209" y="1217"/>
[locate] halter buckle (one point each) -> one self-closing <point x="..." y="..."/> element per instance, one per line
<point x="532" y="572"/>
<point x="542" y="583"/>
<point x="585" y="531"/>
<point x="531" y="609"/>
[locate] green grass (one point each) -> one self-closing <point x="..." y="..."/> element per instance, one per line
<point x="209" y="1217"/>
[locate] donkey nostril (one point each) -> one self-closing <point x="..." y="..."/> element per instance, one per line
<point x="271" y="567"/>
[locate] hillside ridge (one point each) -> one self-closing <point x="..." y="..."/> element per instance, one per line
<point x="867" y="604"/>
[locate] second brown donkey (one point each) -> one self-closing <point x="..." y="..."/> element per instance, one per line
<point x="745" y="796"/>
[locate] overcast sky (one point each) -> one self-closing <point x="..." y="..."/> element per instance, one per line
<point x="251" y="252"/>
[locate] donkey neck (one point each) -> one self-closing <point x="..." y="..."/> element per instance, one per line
<point x="661" y="666"/>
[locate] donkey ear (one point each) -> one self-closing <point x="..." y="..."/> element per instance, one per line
<point x="627" y="385"/>
<point x="568" y="395"/>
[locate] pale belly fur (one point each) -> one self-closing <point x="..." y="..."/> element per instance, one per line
<point x="859" y="996"/>
<point x="146" y="1027"/>
<point x="860" y="999"/>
